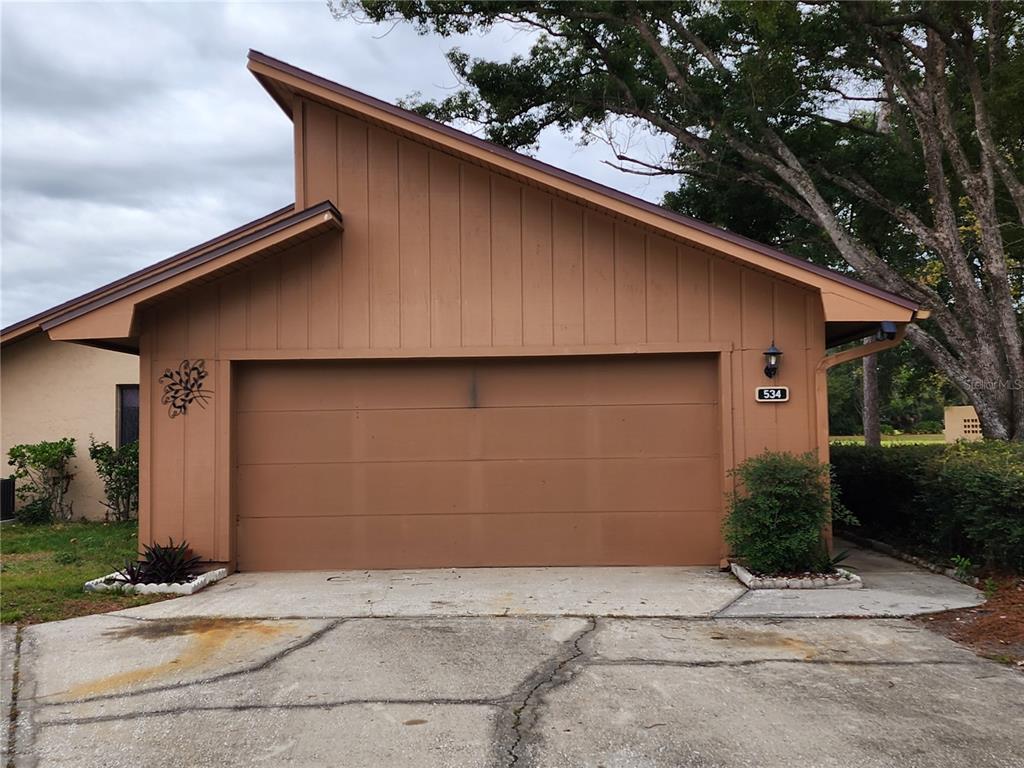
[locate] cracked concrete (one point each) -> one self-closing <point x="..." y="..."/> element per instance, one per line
<point x="462" y="592"/>
<point x="115" y="691"/>
<point x="891" y="588"/>
<point x="615" y="667"/>
<point x="8" y="686"/>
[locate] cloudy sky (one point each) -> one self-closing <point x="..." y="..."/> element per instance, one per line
<point x="131" y="131"/>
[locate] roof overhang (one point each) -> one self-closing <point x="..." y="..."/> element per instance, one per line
<point x="845" y="300"/>
<point x="109" y="320"/>
<point x="34" y="324"/>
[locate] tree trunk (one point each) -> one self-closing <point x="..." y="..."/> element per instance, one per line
<point x="872" y="425"/>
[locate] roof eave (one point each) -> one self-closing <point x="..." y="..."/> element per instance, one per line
<point x="80" y="323"/>
<point x="34" y="324"/>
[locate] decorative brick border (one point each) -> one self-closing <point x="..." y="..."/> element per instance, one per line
<point x="891" y="551"/>
<point x="110" y="583"/>
<point x="843" y="580"/>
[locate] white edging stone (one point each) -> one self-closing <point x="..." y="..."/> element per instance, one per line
<point x="843" y="579"/>
<point x="111" y="583"/>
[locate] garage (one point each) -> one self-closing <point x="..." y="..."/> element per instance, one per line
<point x="578" y="460"/>
<point x="444" y="354"/>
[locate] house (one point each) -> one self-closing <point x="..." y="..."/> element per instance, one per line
<point x="449" y="354"/>
<point x="53" y="389"/>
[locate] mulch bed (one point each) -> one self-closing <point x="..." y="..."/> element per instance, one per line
<point x="994" y="629"/>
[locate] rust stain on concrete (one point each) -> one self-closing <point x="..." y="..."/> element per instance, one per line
<point x="775" y="640"/>
<point x="208" y="638"/>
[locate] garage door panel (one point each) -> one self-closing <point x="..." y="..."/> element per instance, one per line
<point x="393" y="435"/>
<point x="518" y="462"/>
<point x="318" y="490"/>
<point x="594" y="486"/>
<point x="449" y="434"/>
<point x="597" y="432"/>
<point x="454" y="541"/>
<point x="312" y="386"/>
<point x="598" y="381"/>
<point x="482" y="487"/>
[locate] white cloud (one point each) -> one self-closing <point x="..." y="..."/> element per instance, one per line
<point x="131" y="131"/>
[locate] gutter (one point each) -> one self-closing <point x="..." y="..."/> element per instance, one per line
<point x="892" y="335"/>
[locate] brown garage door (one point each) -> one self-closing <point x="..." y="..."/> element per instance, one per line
<point x="406" y="464"/>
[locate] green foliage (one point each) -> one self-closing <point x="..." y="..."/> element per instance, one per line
<point x="963" y="567"/>
<point x="882" y="138"/>
<point x="67" y="558"/>
<point x="912" y="395"/>
<point x="35" y="512"/>
<point x="965" y="499"/>
<point x="119" y="470"/>
<point x="162" y="564"/>
<point x="45" y="469"/>
<point x="777" y="517"/>
<point x="976" y="491"/>
<point x="991" y="587"/>
<point x="45" y="566"/>
<point x="881" y="485"/>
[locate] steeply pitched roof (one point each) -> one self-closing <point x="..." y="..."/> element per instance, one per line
<point x="283" y="81"/>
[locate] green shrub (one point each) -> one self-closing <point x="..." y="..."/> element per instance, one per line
<point x="778" y="514"/>
<point x="45" y="469"/>
<point x="964" y="500"/>
<point x="35" y="512"/>
<point x="119" y="470"/>
<point x="976" y="491"/>
<point x="881" y="486"/>
<point x="162" y="564"/>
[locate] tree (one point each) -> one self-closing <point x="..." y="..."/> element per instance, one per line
<point x="893" y="117"/>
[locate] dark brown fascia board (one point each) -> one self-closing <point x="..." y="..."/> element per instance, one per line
<point x="33" y="324"/>
<point x="184" y="265"/>
<point x="593" y="186"/>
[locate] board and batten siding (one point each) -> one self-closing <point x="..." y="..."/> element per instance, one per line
<point x="441" y="257"/>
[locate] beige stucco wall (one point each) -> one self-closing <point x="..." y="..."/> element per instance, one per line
<point x="53" y="389"/>
<point x="961" y="423"/>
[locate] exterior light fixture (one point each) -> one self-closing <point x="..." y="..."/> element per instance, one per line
<point x="771" y="358"/>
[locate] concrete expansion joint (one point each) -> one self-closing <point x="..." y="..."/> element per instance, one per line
<point x="708" y="664"/>
<point x="321" y="705"/>
<point x="515" y="724"/>
<point x="12" y="713"/>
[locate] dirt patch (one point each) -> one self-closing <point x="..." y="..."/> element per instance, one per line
<point x="25" y="557"/>
<point x="71" y="608"/>
<point x="994" y="629"/>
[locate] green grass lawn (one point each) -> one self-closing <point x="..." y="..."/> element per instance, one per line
<point x="889" y="439"/>
<point x="43" y="568"/>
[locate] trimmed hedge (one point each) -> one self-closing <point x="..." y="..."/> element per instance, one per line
<point x="965" y="499"/>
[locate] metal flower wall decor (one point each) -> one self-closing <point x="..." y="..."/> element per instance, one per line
<point x="184" y="386"/>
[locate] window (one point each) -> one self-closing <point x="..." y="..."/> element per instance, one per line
<point x="127" y="414"/>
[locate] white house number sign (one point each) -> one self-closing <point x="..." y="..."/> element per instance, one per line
<point x="771" y="394"/>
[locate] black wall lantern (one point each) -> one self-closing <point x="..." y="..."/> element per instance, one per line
<point x="771" y="359"/>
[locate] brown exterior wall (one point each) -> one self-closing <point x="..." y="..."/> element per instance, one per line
<point x="442" y="258"/>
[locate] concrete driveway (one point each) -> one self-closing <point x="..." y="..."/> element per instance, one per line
<point x="602" y="667"/>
